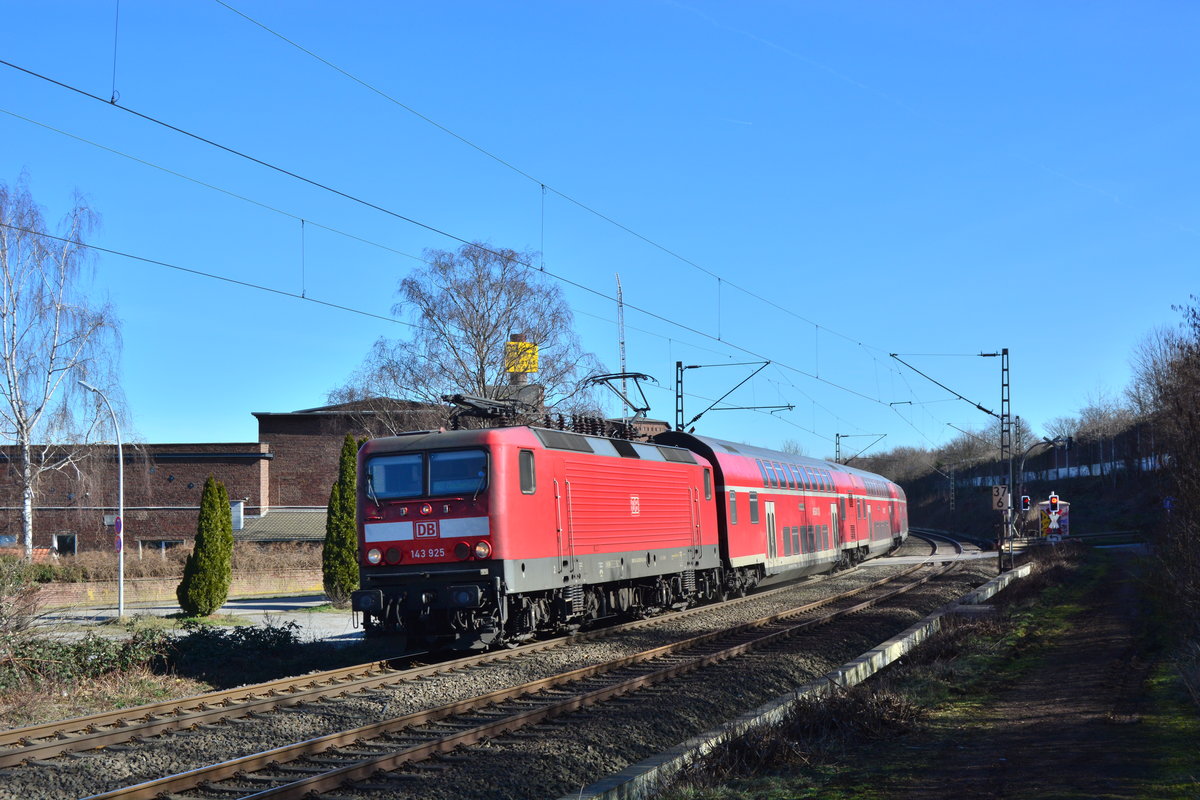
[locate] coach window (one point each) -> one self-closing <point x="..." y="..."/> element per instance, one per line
<point x="707" y="484"/>
<point x="753" y="508"/>
<point x="763" y="470"/>
<point x="528" y="481"/>
<point x="732" y="507"/>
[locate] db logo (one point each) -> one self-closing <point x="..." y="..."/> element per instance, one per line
<point x="426" y="529"/>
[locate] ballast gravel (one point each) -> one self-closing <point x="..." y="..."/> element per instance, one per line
<point x="549" y="760"/>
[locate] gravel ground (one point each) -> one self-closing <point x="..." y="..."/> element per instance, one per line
<point x="563" y="756"/>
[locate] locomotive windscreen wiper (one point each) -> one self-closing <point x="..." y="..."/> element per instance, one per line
<point x="371" y="488"/>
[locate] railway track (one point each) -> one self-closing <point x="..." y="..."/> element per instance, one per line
<point x="148" y="756"/>
<point x="360" y="755"/>
<point x="39" y="742"/>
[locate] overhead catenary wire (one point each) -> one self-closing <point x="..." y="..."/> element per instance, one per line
<point x="426" y="226"/>
<point x="543" y="186"/>
<point x="322" y="186"/>
<point x="212" y="275"/>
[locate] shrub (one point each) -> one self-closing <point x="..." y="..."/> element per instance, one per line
<point x="233" y="656"/>
<point x="18" y="599"/>
<point x="339" y="557"/>
<point x="208" y="570"/>
<point x="39" y="660"/>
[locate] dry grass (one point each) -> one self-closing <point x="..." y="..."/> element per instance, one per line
<point x="818" y="729"/>
<point x="102" y="565"/>
<point x="24" y="707"/>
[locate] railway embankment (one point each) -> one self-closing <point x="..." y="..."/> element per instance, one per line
<point x="1070" y="690"/>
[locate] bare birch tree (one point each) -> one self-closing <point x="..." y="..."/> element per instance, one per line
<point x="51" y="336"/>
<point x="464" y="305"/>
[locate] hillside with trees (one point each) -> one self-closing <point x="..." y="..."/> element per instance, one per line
<point x="1125" y="463"/>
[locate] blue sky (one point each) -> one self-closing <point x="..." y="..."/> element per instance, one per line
<point x="815" y="183"/>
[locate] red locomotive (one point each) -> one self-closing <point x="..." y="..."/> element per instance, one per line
<point x="475" y="538"/>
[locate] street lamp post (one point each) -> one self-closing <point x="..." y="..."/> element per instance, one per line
<point x="120" y="521"/>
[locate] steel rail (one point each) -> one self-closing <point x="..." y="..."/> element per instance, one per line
<point x="278" y="757"/>
<point x="50" y="739"/>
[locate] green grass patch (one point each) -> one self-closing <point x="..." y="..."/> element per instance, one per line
<point x="325" y="608"/>
<point x="1172" y="728"/>
<point x="955" y="676"/>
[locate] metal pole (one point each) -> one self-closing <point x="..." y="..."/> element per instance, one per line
<point x="120" y="522"/>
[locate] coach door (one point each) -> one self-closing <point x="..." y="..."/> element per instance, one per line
<point x="772" y="546"/>
<point x="833" y="524"/>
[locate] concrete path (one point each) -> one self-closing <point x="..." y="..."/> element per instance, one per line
<point x="323" y="625"/>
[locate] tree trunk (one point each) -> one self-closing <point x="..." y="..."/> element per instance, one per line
<point x="27" y="500"/>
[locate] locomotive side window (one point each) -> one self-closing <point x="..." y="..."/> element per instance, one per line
<point x="707" y="485"/>
<point x="528" y="481"/>
<point x="396" y="476"/>
<point x="732" y="507"/>
<point x="753" y="508"/>
<point x="457" y="472"/>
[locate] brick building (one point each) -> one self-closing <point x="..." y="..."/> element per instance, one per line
<point x="291" y="468"/>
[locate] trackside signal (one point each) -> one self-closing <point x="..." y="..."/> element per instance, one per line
<point x="1025" y="502"/>
<point x="1053" y="503"/>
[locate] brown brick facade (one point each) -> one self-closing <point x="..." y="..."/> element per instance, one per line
<point x="293" y="464"/>
<point x="163" y="483"/>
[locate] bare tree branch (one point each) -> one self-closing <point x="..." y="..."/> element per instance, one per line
<point x="51" y="336"/>
<point x="465" y="305"/>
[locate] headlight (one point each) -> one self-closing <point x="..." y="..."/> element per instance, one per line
<point x="483" y="548"/>
<point x="374" y="556"/>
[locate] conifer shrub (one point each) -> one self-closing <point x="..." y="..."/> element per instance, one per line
<point x="339" y="557"/>
<point x="209" y="569"/>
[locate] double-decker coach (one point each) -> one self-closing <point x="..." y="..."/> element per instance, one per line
<point x="783" y="515"/>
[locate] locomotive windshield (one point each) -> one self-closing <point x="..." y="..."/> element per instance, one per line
<point x="434" y="474"/>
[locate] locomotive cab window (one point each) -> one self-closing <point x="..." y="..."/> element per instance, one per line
<point x="399" y="476"/>
<point x="457" y="472"/>
<point x="528" y="481"/>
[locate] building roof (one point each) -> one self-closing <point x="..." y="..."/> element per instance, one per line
<point x="284" y="526"/>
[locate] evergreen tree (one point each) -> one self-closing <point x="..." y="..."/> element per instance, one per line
<point x="209" y="569"/>
<point x="339" y="556"/>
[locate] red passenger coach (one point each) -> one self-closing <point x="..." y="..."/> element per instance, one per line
<point x="784" y="515"/>
<point x="474" y="538"/>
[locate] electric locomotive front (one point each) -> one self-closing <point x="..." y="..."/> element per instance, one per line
<point x="426" y="536"/>
<point x="470" y="539"/>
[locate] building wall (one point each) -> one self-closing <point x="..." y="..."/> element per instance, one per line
<point x="306" y="447"/>
<point x="163" y="484"/>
